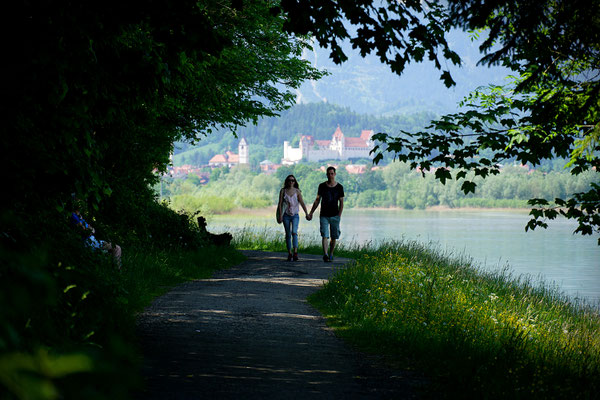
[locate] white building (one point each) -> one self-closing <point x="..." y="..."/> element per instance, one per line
<point x="243" y="151"/>
<point x="339" y="147"/>
<point x="229" y="158"/>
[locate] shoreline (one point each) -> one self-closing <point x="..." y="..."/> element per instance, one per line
<point x="267" y="211"/>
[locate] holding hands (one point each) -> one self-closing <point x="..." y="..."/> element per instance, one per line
<point x="308" y="216"/>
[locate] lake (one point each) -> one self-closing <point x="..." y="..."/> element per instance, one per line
<point x="492" y="238"/>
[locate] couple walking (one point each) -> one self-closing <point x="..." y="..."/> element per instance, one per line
<point x="331" y="196"/>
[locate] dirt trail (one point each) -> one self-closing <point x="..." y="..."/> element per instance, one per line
<point x="248" y="333"/>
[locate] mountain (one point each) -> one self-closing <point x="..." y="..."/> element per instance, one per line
<point x="365" y="85"/>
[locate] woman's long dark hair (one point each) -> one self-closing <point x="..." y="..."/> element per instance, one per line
<point x="295" y="181"/>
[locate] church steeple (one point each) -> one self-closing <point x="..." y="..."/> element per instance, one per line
<point x="338" y="133"/>
<point x="243" y="151"/>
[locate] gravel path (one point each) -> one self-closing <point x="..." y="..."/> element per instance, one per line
<point x="248" y="333"/>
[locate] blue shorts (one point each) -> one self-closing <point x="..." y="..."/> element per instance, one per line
<point x="330" y="225"/>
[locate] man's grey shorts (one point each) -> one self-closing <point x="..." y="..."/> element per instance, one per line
<point x="330" y="225"/>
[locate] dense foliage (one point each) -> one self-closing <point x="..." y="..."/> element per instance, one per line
<point x="98" y="93"/>
<point x="395" y="185"/>
<point x="551" y="110"/>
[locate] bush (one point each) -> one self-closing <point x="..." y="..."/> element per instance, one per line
<point x="67" y="313"/>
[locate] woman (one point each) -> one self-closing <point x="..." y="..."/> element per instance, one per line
<point x="293" y="199"/>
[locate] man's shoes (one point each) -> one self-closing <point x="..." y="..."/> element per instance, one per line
<point x="289" y="257"/>
<point x="330" y="257"/>
<point x="295" y="257"/>
<point x="325" y="258"/>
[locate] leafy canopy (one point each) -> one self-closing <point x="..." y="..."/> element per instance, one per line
<point x="99" y="92"/>
<point x="96" y="93"/>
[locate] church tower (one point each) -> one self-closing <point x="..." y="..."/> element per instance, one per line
<point x="243" y="152"/>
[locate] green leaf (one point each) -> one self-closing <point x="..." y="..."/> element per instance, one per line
<point x="447" y="78"/>
<point x="442" y="174"/>
<point x="468" y="187"/>
<point x="69" y="287"/>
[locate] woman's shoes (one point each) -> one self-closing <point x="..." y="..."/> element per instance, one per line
<point x="289" y="257"/>
<point x="295" y="257"/>
<point x="325" y="258"/>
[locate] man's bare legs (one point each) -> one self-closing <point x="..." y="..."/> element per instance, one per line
<point x="331" y="248"/>
<point x="327" y="245"/>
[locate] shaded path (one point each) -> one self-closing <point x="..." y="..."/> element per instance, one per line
<point x="248" y="333"/>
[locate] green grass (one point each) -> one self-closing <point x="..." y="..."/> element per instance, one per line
<point x="476" y="334"/>
<point x="148" y="274"/>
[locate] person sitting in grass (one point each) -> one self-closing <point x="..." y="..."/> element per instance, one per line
<point x="88" y="233"/>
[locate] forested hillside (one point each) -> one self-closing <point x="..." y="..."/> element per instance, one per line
<point x="317" y="119"/>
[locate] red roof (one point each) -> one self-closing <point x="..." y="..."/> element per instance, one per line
<point x="232" y="157"/>
<point x="323" y="143"/>
<point x="355" y="142"/>
<point x="366" y="135"/>
<point x="338" y="133"/>
<point x="219" y="158"/>
<point x="226" y="158"/>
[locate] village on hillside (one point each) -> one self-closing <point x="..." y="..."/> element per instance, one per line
<point x="339" y="148"/>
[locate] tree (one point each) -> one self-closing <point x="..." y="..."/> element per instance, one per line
<point x="96" y="94"/>
<point x="551" y="109"/>
<point x="99" y="93"/>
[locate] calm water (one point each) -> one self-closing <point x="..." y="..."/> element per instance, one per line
<point x="494" y="239"/>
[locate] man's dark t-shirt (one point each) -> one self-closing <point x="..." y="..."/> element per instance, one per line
<point x="330" y="197"/>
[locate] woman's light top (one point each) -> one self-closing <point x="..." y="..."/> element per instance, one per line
<point x="292" y="201"/>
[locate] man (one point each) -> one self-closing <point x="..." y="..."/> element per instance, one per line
<point x="331" y="197"/>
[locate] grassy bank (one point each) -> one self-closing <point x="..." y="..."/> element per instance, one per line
<point x="477" y="334"/>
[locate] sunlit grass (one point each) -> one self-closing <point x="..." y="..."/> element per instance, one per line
<point x="478" y="334"/>
<point x="485" y="334"/>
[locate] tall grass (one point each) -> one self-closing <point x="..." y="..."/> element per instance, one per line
<point x="478" y="334"/>
<point x="267" y="239"/>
